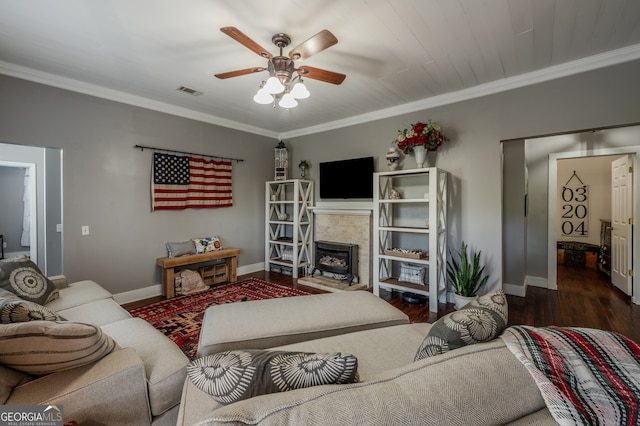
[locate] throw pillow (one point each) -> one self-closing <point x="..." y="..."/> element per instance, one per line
<point x="43" y="347"/>
<point x="481" y="320"/>
<point x="24" y="279"/>
<point x="205" y="245"/>
<point x="411" y="273"/>
<point x="180" y="249"/>
<point x="13" y="309"/>
<point x="236" y="375"/>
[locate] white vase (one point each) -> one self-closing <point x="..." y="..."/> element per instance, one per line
<point x="420" y="154"/>
<point x="460" y="301"/>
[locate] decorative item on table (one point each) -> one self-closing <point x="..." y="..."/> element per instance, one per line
<point x="282" y="216"/>
<point x="393" y="158"/>
<point x="304" y="167"/>
<point x="394" y="194"/>
<point x="419" y="139"/>
<point x="465" y="276"/>
<point x="410" y="253"/>
<point x="282" y="161"/>
<point x="208" y="244"/>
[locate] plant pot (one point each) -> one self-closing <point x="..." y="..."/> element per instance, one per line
<point x="461" y="301"/>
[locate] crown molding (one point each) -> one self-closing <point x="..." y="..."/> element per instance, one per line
<point x="54" y="80"/>
<point x="590" y="63"/>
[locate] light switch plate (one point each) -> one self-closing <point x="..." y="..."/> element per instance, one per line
<point x="85" y="229"/>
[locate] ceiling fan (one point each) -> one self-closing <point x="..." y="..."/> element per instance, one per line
<point x="282" y="68"/>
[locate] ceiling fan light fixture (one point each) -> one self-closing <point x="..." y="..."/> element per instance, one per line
<point x="300" y="91"/>
<point x="263" y="97"/>
<point x="274" y="85"/>
<point x="288" y="101"/>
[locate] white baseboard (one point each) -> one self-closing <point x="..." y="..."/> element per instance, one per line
<point x="156" y="289"/>
<point x="536" y="281"/>
<point x="514" y="289"/>
<point x="138" y="294"/>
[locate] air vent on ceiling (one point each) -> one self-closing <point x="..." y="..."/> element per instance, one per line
<point x="189" y="90"/>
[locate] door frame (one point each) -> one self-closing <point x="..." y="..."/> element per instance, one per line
<point x="552" y="267"/>
<point x="33" y="204"/>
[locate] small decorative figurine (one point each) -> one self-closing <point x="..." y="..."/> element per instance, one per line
<point x="393" y="158"/>
<point x="282" y="161"/>
<point x="394" y="194"/>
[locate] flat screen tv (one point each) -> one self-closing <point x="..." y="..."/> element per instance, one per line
<point x="351" y="178"/>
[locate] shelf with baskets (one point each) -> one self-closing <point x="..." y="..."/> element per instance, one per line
<point x="410" y="233"/>
<point x="288" y="226"/>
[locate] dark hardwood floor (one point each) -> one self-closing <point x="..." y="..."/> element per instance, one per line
<point x="583" y="299"/>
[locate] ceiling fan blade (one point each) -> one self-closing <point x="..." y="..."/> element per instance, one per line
<point x="242" y="38"/>
<point x="315" y="44"/>
<point x="322" y="75"/>
<point x="240" y="72"/>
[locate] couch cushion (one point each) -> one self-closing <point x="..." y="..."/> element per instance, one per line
<point x="77" y="294"/>
<point x="481" y="320"/>
<point x="99" y="312"/>
<point x="13" y="309"/>
<point x="377" y="350"/>
<point x="165" y="364"/>
<point x="43" y="347"/>
<point x="23" y="278"/>
<point x="9" y="379"/>
<point x="236" y="375"/>
<point x="477" y="385"/>
<point x="292" y="319"/>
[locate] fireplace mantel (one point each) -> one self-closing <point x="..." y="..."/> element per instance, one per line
<point x="349" y="208"/>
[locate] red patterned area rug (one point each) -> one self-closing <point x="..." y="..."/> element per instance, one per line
<point x="180" y="318"/>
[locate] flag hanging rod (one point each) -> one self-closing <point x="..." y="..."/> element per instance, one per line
<point x="142" y="148"/>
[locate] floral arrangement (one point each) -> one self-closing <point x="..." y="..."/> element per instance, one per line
<point x="428" y="135"/>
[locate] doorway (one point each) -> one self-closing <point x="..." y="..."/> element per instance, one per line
<point x="529" y="201"/>
<point x="622" y="257"/>
<point x="18" y="221"/>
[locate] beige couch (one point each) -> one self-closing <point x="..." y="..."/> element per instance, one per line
<point x="481" y="384"/>
<point x="139" y="383"/>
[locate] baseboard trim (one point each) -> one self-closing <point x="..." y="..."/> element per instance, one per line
<point x="536" y="281"/>
<point x="138" y="294"/>
<point x="156" y="289"/>
<point x="515" y="289"/>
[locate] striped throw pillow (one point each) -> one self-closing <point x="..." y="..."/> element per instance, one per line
<point x="43" y="347"/>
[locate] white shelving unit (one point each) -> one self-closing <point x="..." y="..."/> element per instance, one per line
<point x="415" y="220"/>
<point x="288" y="240"/>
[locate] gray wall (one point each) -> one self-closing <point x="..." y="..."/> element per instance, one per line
<point x="106" y="182"/>
<point x="12" y="207"/>
<point x="599" y="98"/>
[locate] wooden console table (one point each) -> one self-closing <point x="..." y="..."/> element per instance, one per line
<point x="169" y="263"/>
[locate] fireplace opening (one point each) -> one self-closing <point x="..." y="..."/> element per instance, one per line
<point x="340" y="260"/>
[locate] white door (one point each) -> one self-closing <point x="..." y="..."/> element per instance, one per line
<point x="621" y="215"/>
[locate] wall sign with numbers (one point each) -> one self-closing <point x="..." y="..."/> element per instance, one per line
<point x="574" y="199"/>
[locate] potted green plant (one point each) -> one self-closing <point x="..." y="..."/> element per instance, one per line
<point x="465" y="275"/>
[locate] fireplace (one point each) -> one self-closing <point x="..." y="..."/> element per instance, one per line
<point x="338" y="259"/>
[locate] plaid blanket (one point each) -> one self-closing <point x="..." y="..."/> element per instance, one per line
<point x="585" y="376"/>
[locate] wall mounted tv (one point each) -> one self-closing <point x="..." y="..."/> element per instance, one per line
<point x="351" y="178"/>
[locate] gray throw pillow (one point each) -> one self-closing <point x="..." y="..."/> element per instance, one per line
<point x="24" y="279"/>
<point x="236" y="375"/>
<point x="180" y="249"/>
<point x="481" y="320"/>
<point x="13" y="309"/>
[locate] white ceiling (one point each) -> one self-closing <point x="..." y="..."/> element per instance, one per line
<point x="398" y="55"/>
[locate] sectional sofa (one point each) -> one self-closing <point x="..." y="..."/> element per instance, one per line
<point x="122" y="372"/>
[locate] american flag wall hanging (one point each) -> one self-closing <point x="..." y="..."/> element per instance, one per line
<point x="185" y="182"/>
